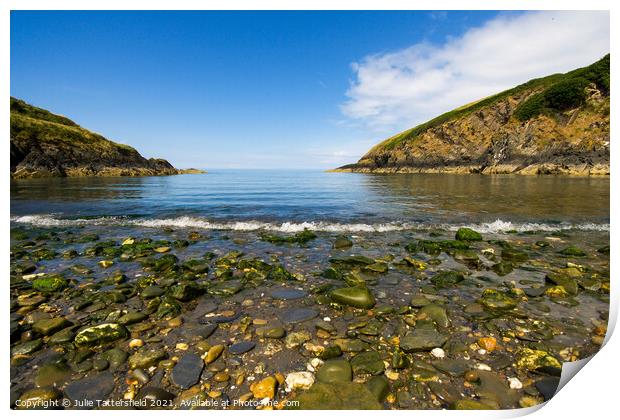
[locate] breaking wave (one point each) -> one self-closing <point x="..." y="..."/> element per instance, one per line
<point x="498" y="226"/>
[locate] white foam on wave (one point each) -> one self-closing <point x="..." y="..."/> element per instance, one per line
<point x="498" y="226"/>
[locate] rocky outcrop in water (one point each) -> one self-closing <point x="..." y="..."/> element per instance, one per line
<point x="555" y="125"/>
<point x="49" y="145"/>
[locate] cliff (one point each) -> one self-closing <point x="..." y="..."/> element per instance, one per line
<point x="554" y="125"/>
<point x="44" y="144"/>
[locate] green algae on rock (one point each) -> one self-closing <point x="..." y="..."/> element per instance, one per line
<point x="358" y="297"/>
<point x="100" y="334"/>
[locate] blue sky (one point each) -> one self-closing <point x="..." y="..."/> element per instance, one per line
<point x="279" y="89"/>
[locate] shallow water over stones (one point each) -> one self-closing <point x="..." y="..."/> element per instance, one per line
<point x="425" y="329"/>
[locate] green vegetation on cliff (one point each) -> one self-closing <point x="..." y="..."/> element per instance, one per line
<point x="558" y="92"/>
<point x="557" y="124"/>
<point x="46" y="144"/>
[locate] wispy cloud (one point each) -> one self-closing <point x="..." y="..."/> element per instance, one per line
<point x="399" y="89"/>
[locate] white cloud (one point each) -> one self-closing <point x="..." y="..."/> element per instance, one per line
<point x="397" y="90"/>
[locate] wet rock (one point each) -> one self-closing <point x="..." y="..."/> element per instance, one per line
<point x="436" y="313"/>
<point x="53" y="374"/>
<point x="187" y="370"/>
<point x="447" y="278"/>
<point x="155" y="397"/>
<point x="26" y="347"/>
<point x="265" y="388"/>
<point x="297" y="315"/>
<point x="241" y="347"/>
<point x="379" y="387"/>
<point x="567" y="283"/>
<point x="168" y="308"/>
<point x="529" y="359"/>
<point x="452" y="367"/>
<point x="419" y="301"/>
<point x="358" y="297"/>
<point x="145" y="358"/>
<point x="271" y="332"/>
<point x="288" y="294"/>
<point x="573" y="251"/>
<point x="213" y="353"/>
<point x="547" y="387"/>
<point x="494" y="388"/>
<point x="342" y="242"/>
<point x="377" y="267"/>
<point x="115" y="357"/>
<point x="335" y="371"/>
<point x="351" y="345"/>
<point x="132" y="318"/>
<point x="91" y="388"/>
<point x="152" y="291"/>
<point x="369" y="362"/>
<point x="502" y="268"/>
<point x="299" y="380"/>
<point x="329" y="352"/>
<point x="514" y="255"/>
<point x="466" y="234"/>
<point x="39" y="398"/>
<point x="338" y="396"/>
<point x="49" y="326"/>
<point x="186" y="291"/>
<point x="50" y="284"/>
<point x="424" y="337"/>
<point x="227" y="288"/>
<point x="493" y="299"/>
<point x="100" y="334"/>
<point x="471" y="405"/>
<point x="63" y="336"/>
<point x="487" y="343"/>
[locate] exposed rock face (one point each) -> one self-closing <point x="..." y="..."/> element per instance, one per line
<point x="491" y="139"/>
<point x="44" y="144"/>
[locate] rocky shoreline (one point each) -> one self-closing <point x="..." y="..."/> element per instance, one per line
<point x="178" y="319"/>
<point x="49" y="145"/>
<point x="516" y="169"/>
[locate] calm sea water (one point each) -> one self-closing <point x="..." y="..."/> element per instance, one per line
<point x="292" y="200"/>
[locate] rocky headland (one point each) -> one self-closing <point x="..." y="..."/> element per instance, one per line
<point x="44" y="144"/>
<point x="558" y="124"/>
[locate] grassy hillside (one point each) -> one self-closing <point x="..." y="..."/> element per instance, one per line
<point x="46" y="144"/>
<point x="557" y="93"/>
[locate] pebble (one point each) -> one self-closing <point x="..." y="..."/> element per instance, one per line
<point x="299" y="380"/>
<point x="438" y="352"/>
<point x="515" y="383"/>
<point x="483" y="366"/>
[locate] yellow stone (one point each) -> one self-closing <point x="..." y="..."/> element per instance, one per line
<point x="162" y="249"/>
<point x="213" y="353"/>
<point x="258" y="321"/>
<point x="265" y="388"/>
<point x="129" y="241"/>
<point x="135" y="343"/>
<point x="182" y="346"/>
<point x="487" y="343"/>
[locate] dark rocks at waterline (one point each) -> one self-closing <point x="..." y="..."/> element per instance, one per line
<point x="241" y="347"/>
<point x="288" y="294"/>
<point x="466" y="234"/>
<point x="187" y="370"/>
<point x="358" y="297"/>
<point x="447" y="278"/>
<point x="335" y="371"/>
<point x="297" y="315"/>
<point x="338" y="396"/>
<point x="424" y="337"/>
<point x="155" y="397"/>
<point x="547" y="387"/>
<point x="90" y="388"/>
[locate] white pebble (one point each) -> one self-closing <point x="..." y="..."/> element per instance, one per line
<point x="515" y="383"/>
<point x="327" y="319"/>
<point x="438" y="353"/>
<point x="299" y="380"/>
<point x="482" y="366"/>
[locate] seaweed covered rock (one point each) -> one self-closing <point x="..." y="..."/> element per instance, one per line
<point x="358" y="297"/>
